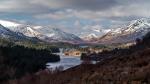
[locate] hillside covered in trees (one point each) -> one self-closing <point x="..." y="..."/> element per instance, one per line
<point x="17" y="60"/>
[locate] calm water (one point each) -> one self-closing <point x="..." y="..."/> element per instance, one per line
<point x="65" y="62"/>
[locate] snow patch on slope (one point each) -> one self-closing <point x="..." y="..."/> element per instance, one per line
<point x="9" y="23"/>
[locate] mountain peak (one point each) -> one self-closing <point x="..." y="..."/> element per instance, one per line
<point x="139" y="22"/>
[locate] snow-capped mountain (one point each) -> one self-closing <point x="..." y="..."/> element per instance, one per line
<point x="4" y="32"/>
<point x="90" y="37"/>
<point x="48" y="34"/>
<point x="8" y="34"/>
<point x="21" y="28"/>
<point x="57" y="35"/>
<point x="26" y="30"/>
<point x="93" y="32"/>
<point x="135" y="29"/>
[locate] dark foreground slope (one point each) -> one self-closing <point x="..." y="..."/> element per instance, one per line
<point x="16" y="61"/>
<point x="128" y="66"/>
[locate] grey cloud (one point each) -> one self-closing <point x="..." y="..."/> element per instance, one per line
<point x="23" y="6"/>
<point x="78" y="4"/>
<point x="116" y="10"/>
<point x="54" y="5"/>
<point x="90" y="4"/>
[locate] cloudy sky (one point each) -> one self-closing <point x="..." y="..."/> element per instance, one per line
<point x="74" y="15"/>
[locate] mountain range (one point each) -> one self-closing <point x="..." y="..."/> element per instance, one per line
<point x="44" y="33"/>
<point x="128" y="33"/>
